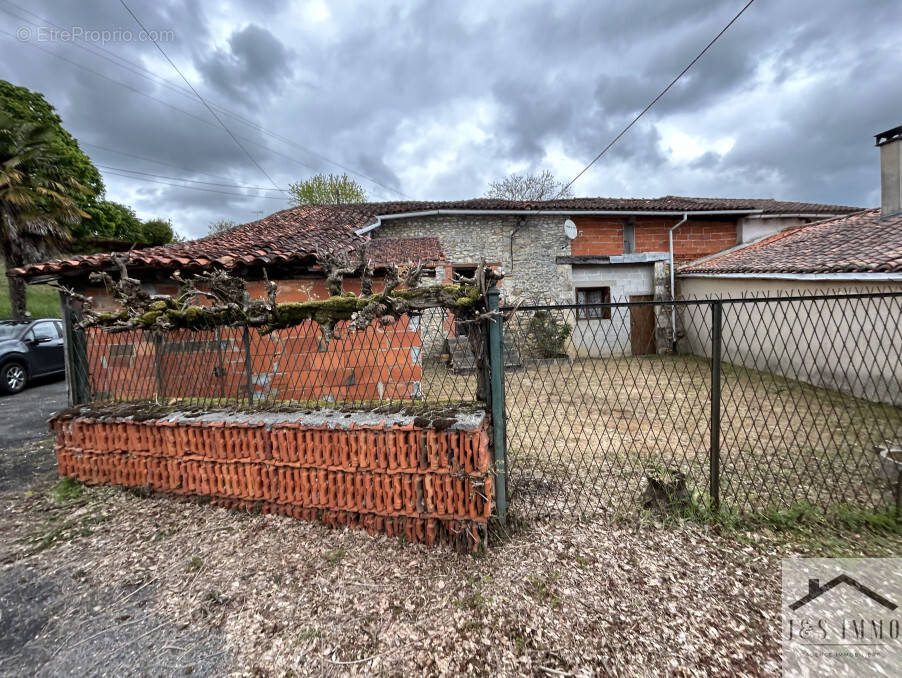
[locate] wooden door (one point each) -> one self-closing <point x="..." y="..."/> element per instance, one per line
<point x="642" y="326"/>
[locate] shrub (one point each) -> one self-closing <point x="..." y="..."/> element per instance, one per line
<point x="548" y="335"/>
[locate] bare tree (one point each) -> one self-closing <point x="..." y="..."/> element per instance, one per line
<point x="541" y="186"/>
<point x="220" y="225"/>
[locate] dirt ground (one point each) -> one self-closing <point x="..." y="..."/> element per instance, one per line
<point x="103" y="582"/>
<point x="583" y="434"/>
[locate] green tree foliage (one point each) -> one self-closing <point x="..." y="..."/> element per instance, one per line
<point x="36" y="198"/>
<point x="327" y="189"/>
<point x="110" y="220"/>
<point x="157" y="232"/>
<point x="23" y="105"/>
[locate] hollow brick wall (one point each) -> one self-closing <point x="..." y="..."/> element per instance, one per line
<point x="395" y="477"/>
<point x="383" y="362"/>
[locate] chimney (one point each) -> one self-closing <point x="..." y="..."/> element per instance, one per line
<point x="890" y="143"/>
<point x="814" y="586"/>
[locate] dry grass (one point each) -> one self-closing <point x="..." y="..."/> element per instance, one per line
<point x="582" y="434"/>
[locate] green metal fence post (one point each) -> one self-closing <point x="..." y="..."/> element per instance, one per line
<point x="496" y="389"/>
<point x="75" y="352"/>
<point x="247" y="366"/>
<point x="714" y="457"/>
<point x="159" y="377"/>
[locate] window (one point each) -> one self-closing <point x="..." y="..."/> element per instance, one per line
<point x="45" y="331"/>
<point x="629" y="237"/>
<point x="587" y="296"/>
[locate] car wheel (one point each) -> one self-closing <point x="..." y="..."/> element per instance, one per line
<point x="13" y="377"/>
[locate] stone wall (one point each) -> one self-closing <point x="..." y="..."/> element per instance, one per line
<point x="466" y="239"/>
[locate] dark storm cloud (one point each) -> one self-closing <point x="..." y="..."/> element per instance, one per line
<point x="437" y="99"/>
<point x="255" y="64"/>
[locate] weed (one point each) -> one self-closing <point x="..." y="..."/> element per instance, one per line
<point x="334" y="557"/>
<point x="473" y="601"/>
<point x="307" y="634"/>
<point x="163" y="534"/>
<point x="67" y="489"/>
<point x="195" y="564"/>
<point x="541" y="589"/>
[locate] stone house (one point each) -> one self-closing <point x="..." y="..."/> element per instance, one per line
<point x="591" y="250"/>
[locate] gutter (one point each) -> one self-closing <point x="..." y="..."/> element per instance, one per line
<point x="673" y="339"/>
<point x="863" y="277"/>
<point x="568" y="213"/>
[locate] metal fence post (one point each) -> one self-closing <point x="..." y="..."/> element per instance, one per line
<point x="158" y="365"/>
<point x="714" y="453"/>
<point x="496" y="400"/>
<point x="247" y="366"/>
<point x="75" y="352"/>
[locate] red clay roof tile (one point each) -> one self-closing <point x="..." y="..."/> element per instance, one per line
<point x="859" y="243"/>
<point x="301" y="232"/>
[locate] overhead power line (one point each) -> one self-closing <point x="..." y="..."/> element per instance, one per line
<point x="193" y="181"/>
<point x="140" y="71"/>
<point x="655" y="100"/>
<point x="195" y="188"/>
<point x="107" y="149"/>
<point x="202" y="100"/>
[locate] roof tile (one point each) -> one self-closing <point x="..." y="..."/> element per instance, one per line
<point x="301" y="232"/>
<point x="859" y="243"/>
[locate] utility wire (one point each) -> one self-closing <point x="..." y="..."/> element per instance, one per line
<point x="142" y="72"/>
<point x="195" y="188"/>
<point x="153" y="98"/>
<point x="655" y="100"/>
<point x="193" y="181"/>
<point x="161" y="162"/>
<point x="202" y="100"/>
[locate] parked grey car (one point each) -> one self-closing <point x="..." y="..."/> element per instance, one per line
<point x="29" y="349"/>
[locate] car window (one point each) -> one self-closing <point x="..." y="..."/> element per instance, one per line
<point x="45" y="331"/>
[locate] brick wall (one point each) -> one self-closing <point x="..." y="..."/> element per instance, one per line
<point x="382" y="363"/>
<point x="392" y="473"/>
<point x="694" y="239"/>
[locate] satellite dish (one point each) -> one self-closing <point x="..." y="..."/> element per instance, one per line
<point x="570" y="229"/>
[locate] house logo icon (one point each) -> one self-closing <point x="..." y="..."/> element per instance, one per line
<point x="815" y="590"/>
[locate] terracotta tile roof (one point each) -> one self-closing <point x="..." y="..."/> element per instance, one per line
<point x="405" y="251"/>
<point x="300" y="232"/>
<point x="860" y="243"/>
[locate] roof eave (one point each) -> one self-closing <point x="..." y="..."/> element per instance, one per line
<point x="555" y="212"/>
<point x="863" y="276"/>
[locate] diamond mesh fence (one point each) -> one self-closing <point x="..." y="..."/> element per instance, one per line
<point x="605" y="396"/>
<point x="410" y="360"/>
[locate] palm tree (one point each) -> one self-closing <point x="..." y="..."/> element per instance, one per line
<point x="35" y="201"/>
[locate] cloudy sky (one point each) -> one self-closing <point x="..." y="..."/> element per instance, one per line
<point x="432" y="100"/>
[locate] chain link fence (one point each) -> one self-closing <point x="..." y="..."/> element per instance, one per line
<point x="406" y="361"/>
<point x="765" y="403"/>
